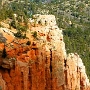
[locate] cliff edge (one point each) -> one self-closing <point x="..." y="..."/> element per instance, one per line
<point x="39" y="62"/>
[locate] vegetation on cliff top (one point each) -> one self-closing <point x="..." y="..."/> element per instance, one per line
<point x="72" y="16"/>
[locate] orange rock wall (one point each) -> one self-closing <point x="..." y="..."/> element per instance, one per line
<point x="36" y="70"/>
<point x="75" y="74"/>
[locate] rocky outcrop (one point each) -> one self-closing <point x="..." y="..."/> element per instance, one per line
<point x="42" y="65"/>
<point x="6" y="35"/>
<point x="76" y="78"/>
<point x="8" y="63"/>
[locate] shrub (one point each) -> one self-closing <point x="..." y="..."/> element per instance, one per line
<point x="34" y="34"/>
<point x="13" y="24"/>
<point x="28" y="43"/>
<point x="21" y="28"/>
<point x="18" y="34"/>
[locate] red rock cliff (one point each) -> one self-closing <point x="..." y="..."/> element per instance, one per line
<point x="42" y="65"/>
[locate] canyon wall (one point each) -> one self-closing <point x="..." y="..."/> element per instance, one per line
<point x="43" y="63"/>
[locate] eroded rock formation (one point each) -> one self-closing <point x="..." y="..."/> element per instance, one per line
<point x="76" y="78"/>
<point x="42" y="65"/>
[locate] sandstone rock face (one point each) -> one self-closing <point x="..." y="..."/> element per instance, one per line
<point x="6" y="36"/>
<point x="44" y="19"/>
<point x="8" y="63"/>
<point x="76" y="78"/>
<point x="42" y="65"/>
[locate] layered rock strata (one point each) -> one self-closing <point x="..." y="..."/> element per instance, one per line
<point x="42" y="65"/>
